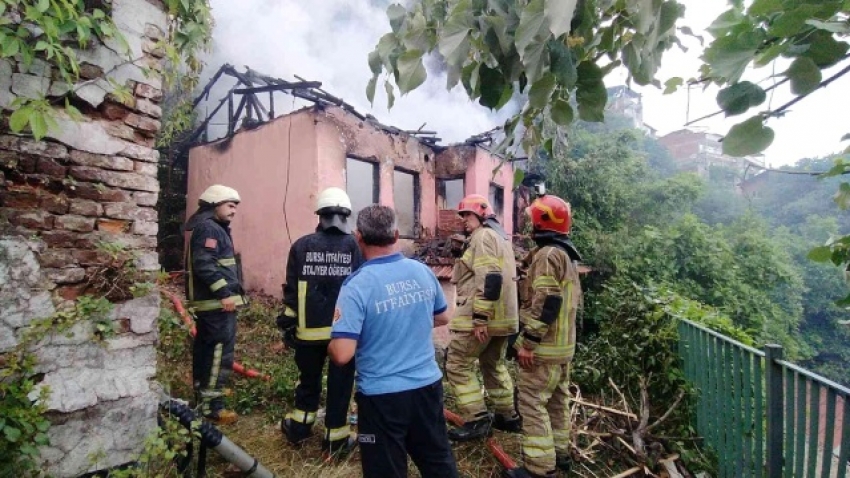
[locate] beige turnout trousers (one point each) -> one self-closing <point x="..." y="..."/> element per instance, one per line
<point x="543" y="402"/>
<point x="464" y="349"/>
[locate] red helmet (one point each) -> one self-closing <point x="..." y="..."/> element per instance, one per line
<point x="476" y="204"/>
<point x="550" y="213"/>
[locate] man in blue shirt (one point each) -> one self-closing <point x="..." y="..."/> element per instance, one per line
<point x="384" y="316"/>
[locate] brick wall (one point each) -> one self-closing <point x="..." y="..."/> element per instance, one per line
<point x="89" y="181"/>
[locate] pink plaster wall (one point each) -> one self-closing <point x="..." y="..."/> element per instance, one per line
<point x="479" y="176"/>
<point x="341" y="135"/>
<point x="256" y="163"/>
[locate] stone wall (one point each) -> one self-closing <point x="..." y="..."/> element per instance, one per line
<point x="90" y="181"/>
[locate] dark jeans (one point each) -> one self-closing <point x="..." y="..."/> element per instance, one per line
<point x="310" y="359"/>
<point x="212" y="356"/>
<point x="392" y="426"/>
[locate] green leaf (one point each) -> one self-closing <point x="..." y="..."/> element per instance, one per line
<point x="559" y="13"/>
<point x="562" y="112"/>
<point x="12" y="434"/>
<point x="729" y="56"/>
<point x="591" y="94"/>
<point x="673" y="84"/>
<point x="417" y="36"/>
<point x="396" y="14"/>
<point x="375" y="62"/>
<point x="454" y="45"/>
<point x="824" y="49"/>
<point x="386" y="48"/>
<point x="491" y="84"/>
<point x="370" y="89"/>
<point x="500" y="27"/>
<point x="411" y="71"/>
<point x="740" y="97"/>
<point x="43" y="5"/>
<point x="388" y="87"/>
<point x="38" y="124"/>
<point x="765" y="7"/>
<point x="820" y="254"/>
<point x="532" y="22"/>
<point x="562" y="64"/>
<point x="832" y="27"/>
<point x="792" y="22"/>
<point x="805" y="76"/>
<point x="519" y="175"/>
<point x="533" y="59"/>
<point x="749" y="137"/>
<point x="541" y="91"/>
<point x="842" y="197"/>
<point x="19" y="119"/>
<point x="771" y="53"/>
<point x="725" y="21"/>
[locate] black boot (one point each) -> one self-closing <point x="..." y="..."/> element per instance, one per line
<point x="339" y="448"/>
<point x="521" y="472"/>
<point x="563" y="462"/>
<point x="510" y="425"/>
<point x="472" y="430"/>
<point x="295" y="432"/>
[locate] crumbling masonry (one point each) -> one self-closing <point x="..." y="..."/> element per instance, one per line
<point x="89" y="181"/>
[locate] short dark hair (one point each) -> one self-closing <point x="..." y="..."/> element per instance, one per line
<point x="376" y="225"/>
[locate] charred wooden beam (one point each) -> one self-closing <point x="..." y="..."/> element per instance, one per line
<point x="278" y="87"/>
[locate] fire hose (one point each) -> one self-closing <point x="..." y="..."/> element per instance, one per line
<point x="237" y="367"/>
<point x="211" y="437"/>
<point x="504" y="459"/>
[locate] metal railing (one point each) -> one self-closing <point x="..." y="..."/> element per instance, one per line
<point x="764" y="416"/>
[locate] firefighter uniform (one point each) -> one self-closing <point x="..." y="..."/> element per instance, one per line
<point x="549" y="331"/>
<point x="317" y="266"/>
<point x="212" y="274"/>
<point x="487" y="256"/>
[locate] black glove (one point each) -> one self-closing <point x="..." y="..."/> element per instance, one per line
<point x="287" y="326"/>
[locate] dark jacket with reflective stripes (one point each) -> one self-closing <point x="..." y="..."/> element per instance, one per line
<point x="317" y="266"/>
<point x="212" y="273"/>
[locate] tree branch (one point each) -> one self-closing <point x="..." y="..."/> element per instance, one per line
<point x="823" y="84"/>
<point x="669" y="411"/>
<point x="772" y="87"/>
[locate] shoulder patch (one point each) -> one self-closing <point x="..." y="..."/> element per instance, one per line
<point x="210" y="243"/>
<point x="337" y="314"/>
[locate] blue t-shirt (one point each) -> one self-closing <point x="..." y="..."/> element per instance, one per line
<point x="388" y="306"/>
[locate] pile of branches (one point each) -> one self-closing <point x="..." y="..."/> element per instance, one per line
<point x="619" y="432"/>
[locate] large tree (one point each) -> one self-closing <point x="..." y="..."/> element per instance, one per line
<point x="547" y="50"/>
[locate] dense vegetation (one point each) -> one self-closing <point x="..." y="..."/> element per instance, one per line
<point x="641" y="222"/>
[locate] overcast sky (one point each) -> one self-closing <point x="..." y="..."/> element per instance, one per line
<point x="329" y="40"/>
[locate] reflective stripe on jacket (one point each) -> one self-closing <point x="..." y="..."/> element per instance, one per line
<point x="552" y="273"/>
<point x="315" y="270"/>
<point x="487" y="253"/>
<point x="212" y="272"/>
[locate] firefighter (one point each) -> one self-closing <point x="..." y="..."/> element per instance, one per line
<point x="546" y="343"/>
<point x="485" y="316"/>
<point x="214" y="292"/>
<point x="317" y="266"/>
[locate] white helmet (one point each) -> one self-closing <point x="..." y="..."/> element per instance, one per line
<point x="217" y="194"/>
<point x="333" y="198"/>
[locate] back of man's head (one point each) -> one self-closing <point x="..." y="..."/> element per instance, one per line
<point x="376" y="225"/>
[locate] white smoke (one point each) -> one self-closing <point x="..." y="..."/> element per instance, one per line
<point x="329" y="41"/>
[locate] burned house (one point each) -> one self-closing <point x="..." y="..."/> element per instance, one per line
<point x="280" y="164"/>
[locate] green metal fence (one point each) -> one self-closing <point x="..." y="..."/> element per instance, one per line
<point x="765" y="417"/>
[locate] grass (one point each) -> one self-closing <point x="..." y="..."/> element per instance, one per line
<point x="261" y="405"/>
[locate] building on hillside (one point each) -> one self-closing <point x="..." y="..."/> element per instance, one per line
<point x="700" y="151"/>
<point x="627" y="102"/>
